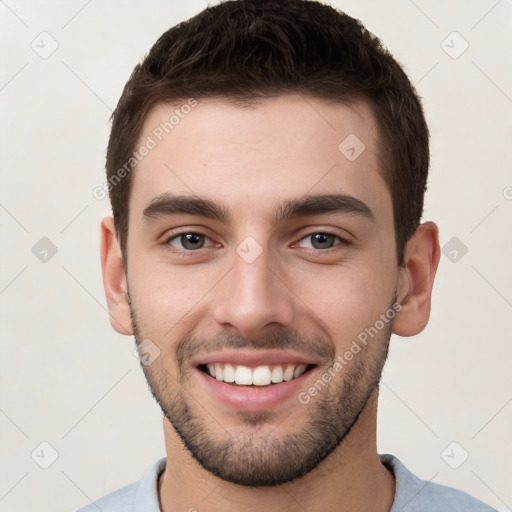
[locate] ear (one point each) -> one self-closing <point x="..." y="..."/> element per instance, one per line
<point x="416" y="280"/>
<point x="114" y="278"/>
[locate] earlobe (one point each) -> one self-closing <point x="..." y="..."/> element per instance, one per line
<point x="416" y="280"/>
<point x="114" y="278"/>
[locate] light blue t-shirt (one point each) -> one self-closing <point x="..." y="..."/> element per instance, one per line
<point x="412" y="494"/>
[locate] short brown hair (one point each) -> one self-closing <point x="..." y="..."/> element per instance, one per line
<point x="242" y="50"/>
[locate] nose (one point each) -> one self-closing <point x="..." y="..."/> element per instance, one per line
<point x="254" y="297"/>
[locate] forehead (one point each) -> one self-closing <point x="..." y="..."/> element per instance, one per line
<point x="249" y="158"/>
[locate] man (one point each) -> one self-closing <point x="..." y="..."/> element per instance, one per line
<point x="266" y="167"/>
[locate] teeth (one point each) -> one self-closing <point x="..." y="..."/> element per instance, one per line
<point x="288" y="373"/>
<point x="259" y="376"/>
<point x="299" y="370"/>
<point x="229" y="373"/>
<point x="277" y="374"/>
<point x="243" y="375"/>
<point x="219" y="371"/>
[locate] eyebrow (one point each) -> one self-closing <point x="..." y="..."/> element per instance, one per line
<point x="166" y="205"/>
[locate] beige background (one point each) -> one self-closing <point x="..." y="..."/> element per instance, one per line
<point x="68" y="379"/>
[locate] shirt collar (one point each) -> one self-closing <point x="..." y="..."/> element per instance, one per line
<point x="146" y="498"/>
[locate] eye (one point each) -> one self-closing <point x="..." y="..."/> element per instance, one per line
<point x="322" y="240"/>
<point x="188" y="241"/>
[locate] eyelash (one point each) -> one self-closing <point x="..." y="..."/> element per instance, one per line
<point x="192" y="252"/>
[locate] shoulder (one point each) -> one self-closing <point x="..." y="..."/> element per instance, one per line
<point x="414" y="494"/>
<point x="139" y="496"/>
<point x="117" y="501"/>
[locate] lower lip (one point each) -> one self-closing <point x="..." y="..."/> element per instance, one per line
<point x="254" y="398"/>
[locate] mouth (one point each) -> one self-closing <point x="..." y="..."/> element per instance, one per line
<point x="261" y="376"/>
<point x="254" y="380"/>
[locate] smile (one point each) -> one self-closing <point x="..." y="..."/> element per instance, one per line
<point x="262" y="375"/>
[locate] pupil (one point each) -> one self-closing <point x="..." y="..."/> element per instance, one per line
<point x="322" y="239"/>
<point x="190" y="241"/>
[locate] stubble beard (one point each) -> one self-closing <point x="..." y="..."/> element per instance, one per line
<point x="250" y="455"/>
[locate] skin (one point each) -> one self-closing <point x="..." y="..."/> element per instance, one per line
<point x="249" y="160"/>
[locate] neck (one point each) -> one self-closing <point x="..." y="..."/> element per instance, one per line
<point x="341" y="482"/>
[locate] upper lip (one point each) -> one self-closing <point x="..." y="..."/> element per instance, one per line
<point x="252" y="357"/>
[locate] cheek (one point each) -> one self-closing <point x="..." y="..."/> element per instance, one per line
<point x="165" y="297"/>
<point x="349" y="300"/>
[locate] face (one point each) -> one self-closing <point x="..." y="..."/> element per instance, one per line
<point x="259" y="249"/>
